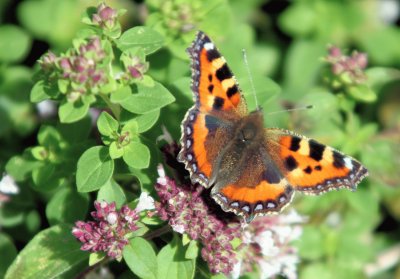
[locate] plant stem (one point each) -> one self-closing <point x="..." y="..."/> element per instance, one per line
<point x="158" y="232"/>
<point x="115" y="108"/>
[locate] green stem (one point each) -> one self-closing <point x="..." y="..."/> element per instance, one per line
<point x="115" y="108"/>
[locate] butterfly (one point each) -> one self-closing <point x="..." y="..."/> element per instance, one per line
<point x="252" y="170"/>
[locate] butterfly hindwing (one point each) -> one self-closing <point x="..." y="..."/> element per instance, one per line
<point x="259" y="189"/>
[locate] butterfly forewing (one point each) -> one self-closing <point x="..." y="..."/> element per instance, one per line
<point x="218" y="104"/>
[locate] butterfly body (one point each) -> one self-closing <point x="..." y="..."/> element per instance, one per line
<point x="252" y="170"/>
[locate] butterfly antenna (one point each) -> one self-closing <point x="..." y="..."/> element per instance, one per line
<point x="250" y="76"/>
<point x="293" y="109"/>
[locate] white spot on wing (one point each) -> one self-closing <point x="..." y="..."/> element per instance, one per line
<point x="270" y="205"/>
<point x="246" y="208"/>
<point x="209" y="46"/>
<point x="235" y="204"/>
<point x="348" y="163"/>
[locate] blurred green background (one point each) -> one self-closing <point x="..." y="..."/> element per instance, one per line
<point x="349" y="235"/>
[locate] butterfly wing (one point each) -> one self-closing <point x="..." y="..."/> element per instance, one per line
<point x="259" y="189"/>
<point x="311" y="167"/>
<point x="206" y="127"/>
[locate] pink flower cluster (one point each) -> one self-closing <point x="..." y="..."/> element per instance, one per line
<point x="353" y="65"/>
<point x="108" y="233"/>
<point x="187" y="212"/>
<point x="105" y="17"/>
<point x="137" y="67"/>
<point x="264" y="245"/>
<point x="81" y="67"/>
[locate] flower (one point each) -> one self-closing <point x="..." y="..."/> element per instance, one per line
<point x="47" y="61"/>
<point x="105" y="17"/>
<point x="146" y="202"/>
<point x="109" y="232"/>
<point x="268" y="242"/>
<point x="187" y="212"/>
<point x="352" y="66"/>
<point x="82" y="67"/>
<point x="46" y="109"/>
<point x="8" y="185"/>
<point x="137" y="67"/>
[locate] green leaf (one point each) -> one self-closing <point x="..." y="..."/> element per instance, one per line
<point x="112" y="192"/>
<point x="141" y="258"/>
<point x="132" y="127"/>
<point x="96" y="257"/>
<point x="73" y="111"/>
<point x="8" y="253"/>
<point x="77" y="132"/>
<point x="192" y="250"/>
<point x="52" y="253"/>
<point x="302" y="67"/>
<point x="306" y="19"/>
<point x="67" y="206"/>
<point x="106" y="124"/>
<point x="20" y="167"/>
<point x="379" y="77"/>
<point x="381" y="45"/>
<point x="94" y="169"/>
<point x="141" y="36"/>
<point x="48" y="136"/>
<point x="137" y="155"/>
<point x="362" y="93"/>
<point x="38" y="92"/>
<point x="121" y="94"/>
<point x="147" y="120"/>
<point x="148" y="99"/>
<point x="14" y="44"/>
<point x="115" y="150"/>
<point x="172" y="264"/>
<point x="45" y="178"/>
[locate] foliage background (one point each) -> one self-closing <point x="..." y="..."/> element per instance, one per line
<point x="285" y="41"/>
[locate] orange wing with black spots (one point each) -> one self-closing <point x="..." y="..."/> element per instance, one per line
<point x="258" y="189"/>
<point x="207" y="126"/>
<point x="310" y="166"/>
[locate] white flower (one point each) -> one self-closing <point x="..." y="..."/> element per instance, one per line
<point x="46" y="108"/>
<point x="267" y="243"/>
<point x="268" y="268"/>
<point x="146" y="202"/>
<point x="8" y="185"/>
<point x="162" y="180"/>
<point x="236" y="270"/>
<point x="272" y="236"/>
<point x="112" y="218"/>
<point x="178" y="228"/>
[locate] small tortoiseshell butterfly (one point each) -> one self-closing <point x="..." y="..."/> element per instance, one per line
<point x="253" y="170"/>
